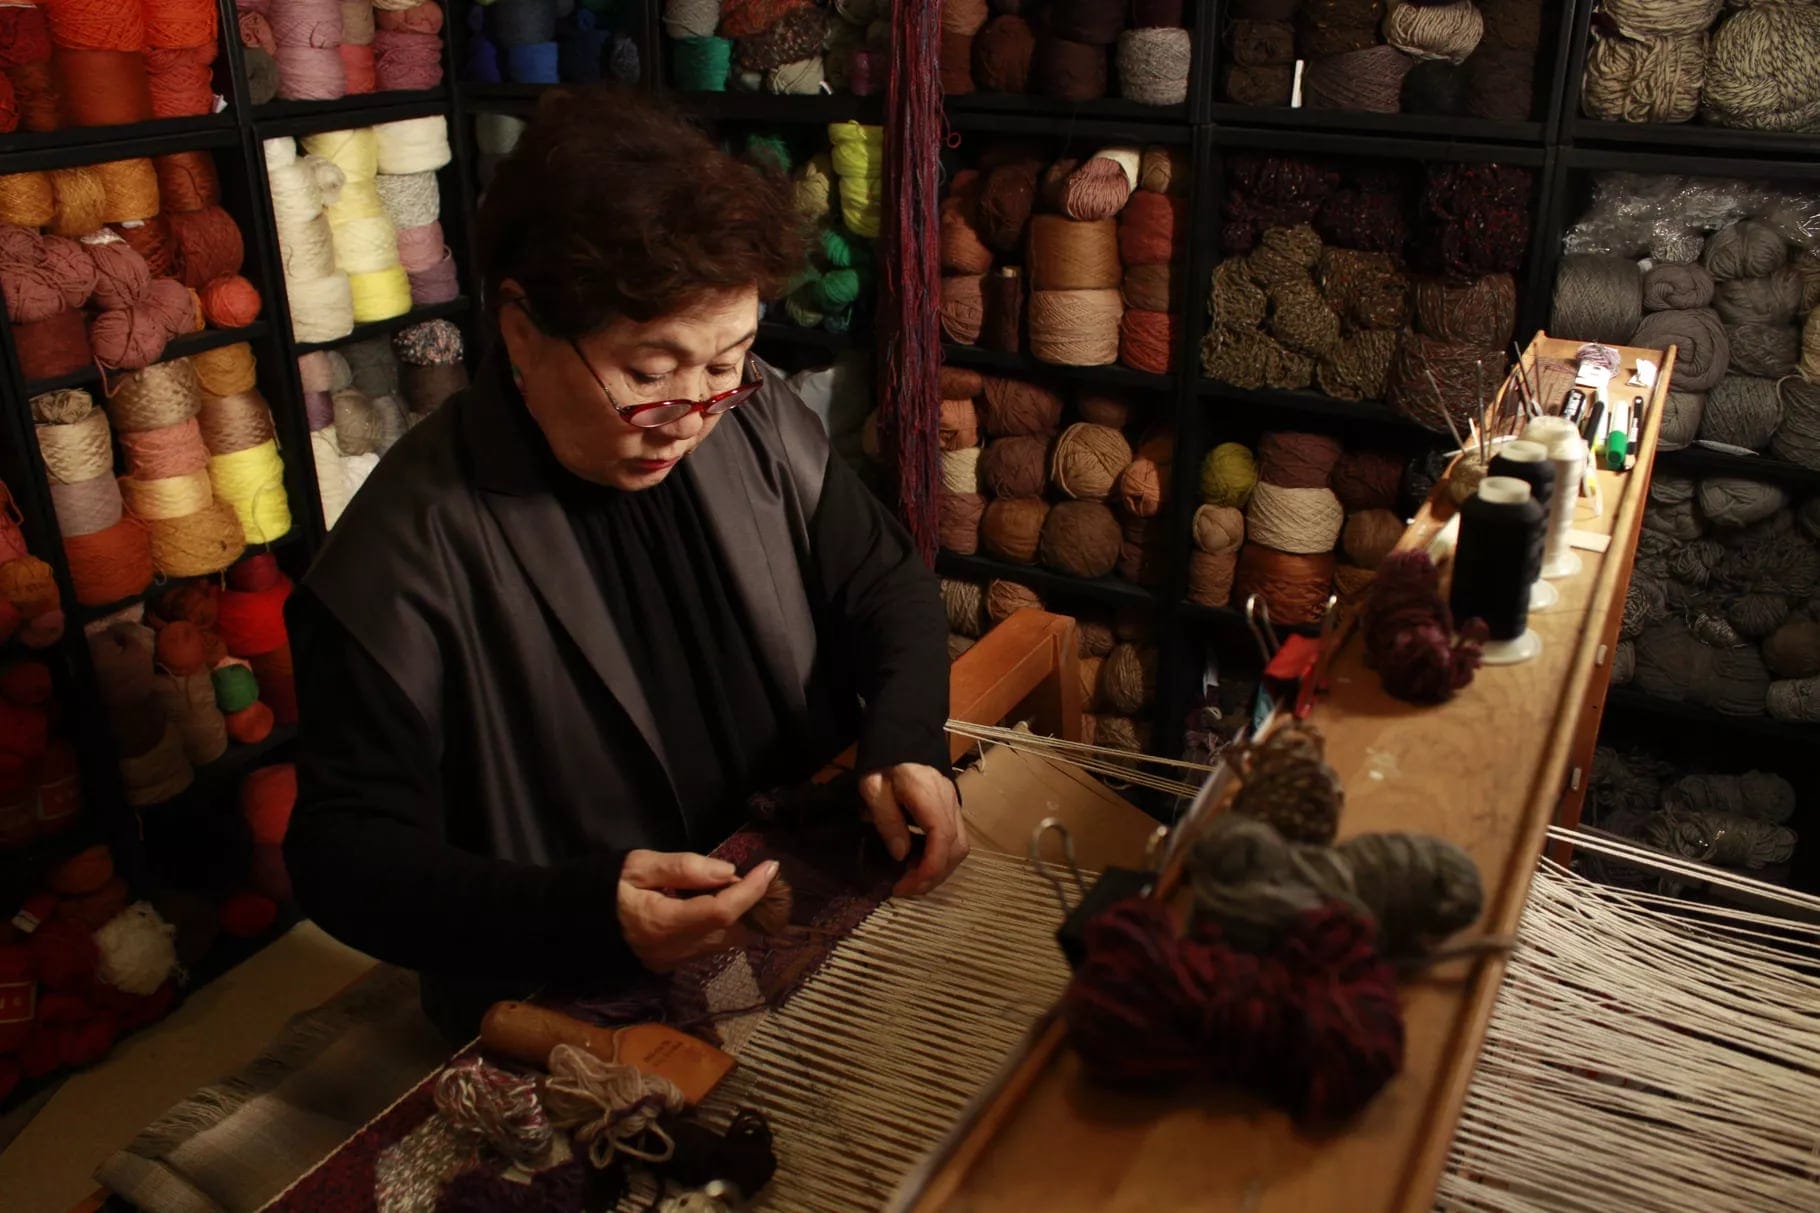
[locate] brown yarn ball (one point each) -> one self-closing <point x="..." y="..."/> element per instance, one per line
<point x="1770" y="350"/>
<point x="1218" y="529"/>
<point x="1793" y="650"/>
<point x="1368" y="290"/>
<point x="1071" y="71"/>
<point x="960" y="425"/>
<point x="1071" y="254"/>
<point x="1367" y="80"/>
<point x="1093" y="637"/>
<point x="1013" y="406"/>
<point x="963" y="308"/>
<point x="1370" y="535"/>
<point x="1089" y="668"/>
<point x="1005" y="202"/>
<point x="962" y="250"/>
<point x="1456" y="369"/>
<point x="1298" y="461"/>
<point x="1295" y="588"/>
<point x="1080" y="539"/>
<point x="1501" y="84"/>
<point x="1012" y="528"/>
<point x="1163" y="169"/>
<point x="1300" y="318"/>
<point x="1367" y="480"/>
<point x="959" y="383"/>
<point x="1483" y="312"/>
<point x="958" y="525"/>
<point x="1017" y="466"/>
<point x="1087" y="461"/>
<point x="1128" y="679"/>
<point x="1142" y="486"/>
<point x="1006" y="598"/>
<point x="1261" y="43"/>
<point x="1150" y="288"/>
<point x="965" y="605"/>
<point x="1143" y="551"/>
<point x="1333" y="27"/>
<point x="1102" y="408"/>
<point x="1266" y="85"/>
<point x="1210" y="577"/>
<point x="1002" y="54"/>
<point x="955" y="64"/>
<point x="1002" y="294"/>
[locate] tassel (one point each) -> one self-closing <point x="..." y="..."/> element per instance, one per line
<point x="909" y="414"/>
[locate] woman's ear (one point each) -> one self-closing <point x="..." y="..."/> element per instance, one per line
<point x="516" y="328"/>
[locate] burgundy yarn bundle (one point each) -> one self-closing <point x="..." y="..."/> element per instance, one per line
<point x="1314" y="1025"/>
<point x="1410" y="636"/>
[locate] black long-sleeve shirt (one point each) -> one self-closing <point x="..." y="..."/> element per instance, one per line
<point x="388" y="862"/>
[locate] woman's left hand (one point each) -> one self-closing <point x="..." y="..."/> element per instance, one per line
<point x="927" y="797"/>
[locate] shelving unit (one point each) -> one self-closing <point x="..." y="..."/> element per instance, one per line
<point x="235" y="138"/>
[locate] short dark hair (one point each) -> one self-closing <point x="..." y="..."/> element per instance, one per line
<point x="612" y="205"/>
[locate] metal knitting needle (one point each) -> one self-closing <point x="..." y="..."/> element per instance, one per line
<point x="1532" y="390"/>
<point x="1446" y="413"/>
<point x="1478" y="386"/>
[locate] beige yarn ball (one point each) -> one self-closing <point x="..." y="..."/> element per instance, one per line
<point x="1006" y="598"/>
<point x="1450" y="31"/>
<point x="1218" y="529"/>
<point x="1087" y="461"/>
<point x="1128" y="679"/>
<point x="1299" y="521"/>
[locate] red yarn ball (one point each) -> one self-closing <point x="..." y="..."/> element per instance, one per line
<point x="26" y="684"/>
<point x="181" y="648"/>
<point x="83" y="872"/>
<point x="254" y="574"/>
<point x="65" y="953"/>
<point x="252" y="622"/>
<point x="250" y="725"/>
<point x="230" y="302"/>
<point x="247" y="914"/>
<point x="266" y="799"/>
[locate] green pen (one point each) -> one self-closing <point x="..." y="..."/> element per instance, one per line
<point x="1617" y="441"/>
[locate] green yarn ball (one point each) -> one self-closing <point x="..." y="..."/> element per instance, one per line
<point x="769" y="149"/>
<point x="235" y="688"/>
<point x="837" y="289"/>
<point x="1228" y="475"/>
<point x="837" y="248"/>
<point x="701" y="64"/>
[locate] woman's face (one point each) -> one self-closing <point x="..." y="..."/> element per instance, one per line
<point x="689" y="355"/>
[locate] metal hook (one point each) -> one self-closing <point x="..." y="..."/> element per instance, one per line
<point x="1156" y="848"/>
<point x="1041" y="868"/>
<point x="1257" y="618"/>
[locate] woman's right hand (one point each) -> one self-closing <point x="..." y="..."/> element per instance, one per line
<point x="666" y="931"/>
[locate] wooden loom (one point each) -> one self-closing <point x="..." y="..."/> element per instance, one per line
<point x="1489" y="770"/>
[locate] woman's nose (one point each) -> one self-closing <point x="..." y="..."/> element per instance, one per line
<point x="683" y="428"/>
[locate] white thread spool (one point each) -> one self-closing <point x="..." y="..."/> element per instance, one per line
<point x="1567" y="452"/>
<point x="1541" y="594"/>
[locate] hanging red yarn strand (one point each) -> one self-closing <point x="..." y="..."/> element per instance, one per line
<point x="909" y="406"/>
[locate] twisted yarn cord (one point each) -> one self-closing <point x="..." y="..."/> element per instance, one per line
<point x="1645" y="79"/>
<point x="77" y="451"/>
<point x="609" y="1106"/>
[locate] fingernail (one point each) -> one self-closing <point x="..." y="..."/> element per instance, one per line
<point x="899" y="848"/>
<point x="771" y="870"/>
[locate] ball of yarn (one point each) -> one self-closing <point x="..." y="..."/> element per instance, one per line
<point x="1705" y="350"/>
<point x="1080" y="539"/>
<point x="1474" y="218"/>
<point x="1013" y="407"/>
<point x="1741" y="410"/>
<point x="1793" y="649"/>
<point x="1755" y="616"/>
<point x="1682" y="414"/>
<point x="1369" y="536"/>
<point x="1367" y="480"/>
<point x="1012" y="528"/>
<point x="1368" y="80"/>
<point x="230" y="301"/>
<point x="958" y="522"/>
<point x="1002" y="54"/>
<point x="198" y="544"/>
<point x="1218" y="529"/>
<point x="1005" y="598"/>
<point x="1794" y="699"/>
<point x="1297" y="460"/>
<point x="1642" y="18"/>
<point x="1735" y="501"/>
<point x="962" y="308"/>
<point x="225" y="370"/>
<point x="1672" y="664"/>
<point x="1758" y="71"/>
<point x="1228" y="475"/>
<point x="1152" y="228"/>
<point x="1149" y="287"/>
<point x="959" y="425"/>
<point x="1016" y="466"/>
<point x="1422" y="363"/>
<point x="120" y="278"/>
<point x="1298" y="521"/>
<point x="1677" y="284"/>
<point x="1598" y="297"/>
<point x="1069" y="255"/>
<point x="1152" y="65"/>
<point x="1763" y="349"/>
<point x="1482" y="312"/>
<point x="1066" y="70"/>
<point x="1142" y="487"/>
<point x="1448" y="31"/>
<point x="1748" y="248"/>
<point x="1088" y="460"/>
<point x="27" y="199"/>
<point x="960" y="469"/>
<point x="1647" y="79"/>
<point x="965" y="604"/>
<point x="1075" y="327"/>
<point x="1435" y="87"/>
<point x="1128" y="679"/>
<point x="1797" y="438"/>
<point x="137" y="954"/>
<point x="1771" y="300"/>
<point x="1293" y="587"/>
<point x="156" y="397"/>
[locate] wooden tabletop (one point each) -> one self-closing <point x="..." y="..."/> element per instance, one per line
<point x="1485" y="770"/>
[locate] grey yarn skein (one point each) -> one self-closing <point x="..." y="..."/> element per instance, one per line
<point x="1598" y="297"/>
<point x="1704" y="351"/>
<point x="1797" y="439"/>
<point x="1681" y="415"/>
<point x="1742" y="410"/>
<point x="1748" y="248"/>
<point x="1676" y="284"/>
<point x="1770" y="350"/>
<point x="1774" y="298"/>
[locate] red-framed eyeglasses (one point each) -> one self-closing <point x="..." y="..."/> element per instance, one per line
<point x="659" y="413"/>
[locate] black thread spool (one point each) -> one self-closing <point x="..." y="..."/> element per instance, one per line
<point x="1497" y="559"/>
<point x="1528" y="462"/>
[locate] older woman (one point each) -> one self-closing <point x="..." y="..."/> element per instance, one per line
<point x="577" y="616"/>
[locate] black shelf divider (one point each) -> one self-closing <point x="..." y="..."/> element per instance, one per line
<point x="179" y="347"/>
<point x="1101" y="591"/>
<point x="1025" y="366"/>
<point x="380" y="328"/>
<point x="1703" y="461"/>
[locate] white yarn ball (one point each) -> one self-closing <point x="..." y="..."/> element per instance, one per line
<point x="138" y="952"/>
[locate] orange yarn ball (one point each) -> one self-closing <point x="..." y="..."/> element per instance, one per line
<point x="230" y="302"/>
<point x="110" y="564"/>
<point x="96" y="25"/>
<point x="179" y="24"/>
<point x="83" y="872"/>
<point x="27" y="583"/>
<point x="251" y="724"/>
<point x="181" y="648"/>
<point x="266" y="799"/>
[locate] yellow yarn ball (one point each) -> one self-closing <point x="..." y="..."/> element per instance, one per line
<point x="1228" y="475"/>
<point x="252" y="481"/>
<point x="381" y="294"/>
<point x="814" y="184"/>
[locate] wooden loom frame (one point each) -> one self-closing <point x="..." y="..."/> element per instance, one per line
<point x="1414" y="1136"/>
